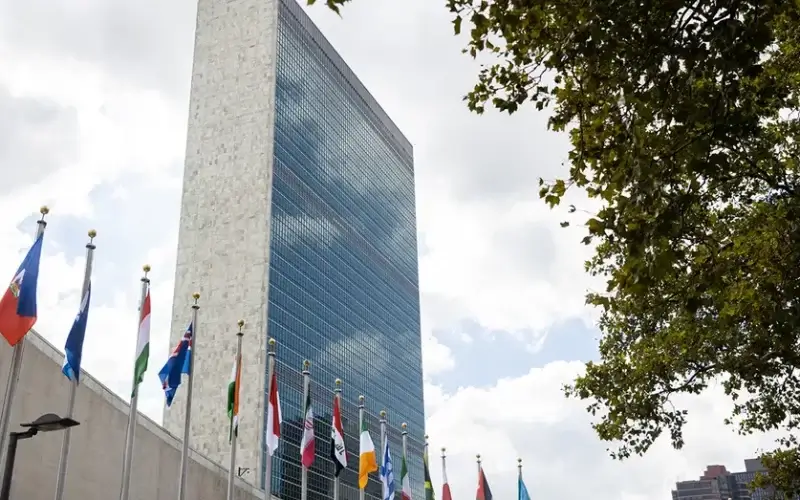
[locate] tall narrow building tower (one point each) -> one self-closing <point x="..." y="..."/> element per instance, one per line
<point x="298" y="216"/>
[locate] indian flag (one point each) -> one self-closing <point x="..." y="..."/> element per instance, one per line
<point x="233" y="396"/>
<point x="367" y="461"/>
<point x="405" y="482"/>
<point x="142" y="344"/>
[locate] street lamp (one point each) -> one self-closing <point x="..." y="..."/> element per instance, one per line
<point x="46" y="423"/>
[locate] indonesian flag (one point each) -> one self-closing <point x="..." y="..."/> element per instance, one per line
<point x="445" y="485"/>
<point x="338" y="453"/>
<point x="307" y="444"/>
<point x="274" y="420"/>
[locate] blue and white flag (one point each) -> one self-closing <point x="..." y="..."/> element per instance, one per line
<point x="387" y="473"/>
<point x="73" y="348"/>
<point x="178" y="363"/>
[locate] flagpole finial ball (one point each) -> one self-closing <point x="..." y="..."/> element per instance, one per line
<point x="146" y="268"/>
<point x="383" y="413"/>
<point x="426" y="437"/>
<point x="478" y="456"/>
<point x="404" y="426"/>
<point x="338" y="382"/>
<point x="306" y="364"/>
<point x="92" y="233"/>
<point x="519" y="461"/>
<point x="443" y="450"/>
<point x="196" y="296"/>
<point x="272" y="342"/>
<point x="240" y="323"/>
<point x="361" y="399"/>
<point x="44" y="210"/>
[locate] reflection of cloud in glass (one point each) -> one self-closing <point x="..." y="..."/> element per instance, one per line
<point x="306" y="230"/>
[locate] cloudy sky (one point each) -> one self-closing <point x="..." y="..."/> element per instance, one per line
<point x="93" y="110"/>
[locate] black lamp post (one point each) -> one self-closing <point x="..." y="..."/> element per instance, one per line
<point x="46" y="423"/>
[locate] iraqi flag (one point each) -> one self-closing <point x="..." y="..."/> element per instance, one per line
<point x="338" y="452"/>
<point x="307" y="443"/>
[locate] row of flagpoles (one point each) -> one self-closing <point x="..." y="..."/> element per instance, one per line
<point x="18" y="315"/>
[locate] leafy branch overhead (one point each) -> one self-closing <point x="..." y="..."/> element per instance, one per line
<point x="684" y="121"/>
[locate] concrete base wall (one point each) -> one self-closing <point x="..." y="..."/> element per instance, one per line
<point x="95" y="465"/>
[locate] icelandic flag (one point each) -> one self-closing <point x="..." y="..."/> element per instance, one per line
<point x="73" y="349"/>
<point x="387" y="473"/>
<point x="178" y="363"/>
<point x="18" y="304"/>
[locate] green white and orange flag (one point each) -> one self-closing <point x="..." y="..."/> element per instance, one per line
<point x="367" y="461"/>
<point x="142" y="344"/>
<point x="233" y="396"/>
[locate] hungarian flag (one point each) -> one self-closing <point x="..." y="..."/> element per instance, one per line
<point x="338" y="453"/>
<point x="307" y="444"/>
<point x="445" y="485"/>
<point x="274" y="419"/>
<point x="428" y="484"/>
<point x="405" y="482"/>
<point x="18" y="303"/>
<point x="484" y="493"/>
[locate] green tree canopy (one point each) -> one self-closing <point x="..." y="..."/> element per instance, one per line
<point x="685" y="125"/>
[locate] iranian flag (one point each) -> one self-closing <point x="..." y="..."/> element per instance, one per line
<point x="405" y="482"/>
<point x="142" y="344"/>
<point x="307" y="444"/>
<point x="274" y="420"/>
<point x="233" y="396"/>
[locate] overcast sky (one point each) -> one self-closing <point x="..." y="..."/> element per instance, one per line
<point x="93" y="112"/>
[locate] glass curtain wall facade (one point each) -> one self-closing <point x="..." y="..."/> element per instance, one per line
<point x="343" y="283"/>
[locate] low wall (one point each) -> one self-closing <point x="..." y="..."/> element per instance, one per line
<point x="97" y="444"/>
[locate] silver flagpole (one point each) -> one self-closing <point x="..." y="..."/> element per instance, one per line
<point x="231" y="476"/>
<point x="478" y="458"/>
<point x="337" y="393"/>
<point x="187" y="423"/>
<point x="444" y="466"/>
<point x="519" y="467"/>
<point x="306" y="388"/>
<point x="404" y="493"/>
<point x="361" y="493"/>
<point x="133" y="412"/>
<point x="383" y="447"/>
<point x="73" y="384"/>
<point x="268" y="465"/>
<point x="16" y="363"/>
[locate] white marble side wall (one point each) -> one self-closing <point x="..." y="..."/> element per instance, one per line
<point x="223" y="249"/>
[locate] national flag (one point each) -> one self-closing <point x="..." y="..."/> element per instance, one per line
<point x="73" y="348"/>
<point x="522" y="490"/>
<point x="446" y="495"/>
<point x="274" y="418"/>
<point x="367" y="461"/>
<point x="178" y="363"/>
<point x="307" y="443"/>
<point x="484" y="493"/>
<point x="405" y="481"/>
<point x="387" y="473"/>
<point x="338" y="452"/>
<point x="142" y="343"/>
<point x="429" y="495"/>
<point x="18" y="304"/>
<point x="234" y="386"/>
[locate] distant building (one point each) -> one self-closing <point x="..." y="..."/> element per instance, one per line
<point x="717" y="483"/>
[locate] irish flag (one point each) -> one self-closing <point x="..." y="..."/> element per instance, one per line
<point x="405" y="482"/>
<point x="367" y="461"/>
<point x="233" y="396"/>
<point x="307" y="443"/>
<point x="142" y="344"/>
<point x="274" y="419"/>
